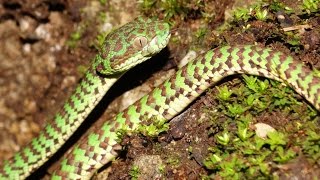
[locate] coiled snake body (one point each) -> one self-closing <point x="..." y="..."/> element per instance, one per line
<point x="166" y="101"/>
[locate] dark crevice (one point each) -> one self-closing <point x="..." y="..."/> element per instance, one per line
<point x="11" y="5"/>
<point x="6" y="16"/>
<point x="56" y="6"/>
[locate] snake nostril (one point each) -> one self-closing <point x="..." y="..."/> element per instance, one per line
<point x="104" y="55"/>
<point x="99" y="68"/>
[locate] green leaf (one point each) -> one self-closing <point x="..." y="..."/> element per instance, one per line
<point x="224" y="93"/>
<point x="276" y="139"/>
<point x="224" y="139"/>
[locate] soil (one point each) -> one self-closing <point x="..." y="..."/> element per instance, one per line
<point x="40" y="66"/>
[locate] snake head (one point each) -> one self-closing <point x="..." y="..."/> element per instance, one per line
<point x="131" y="44"/>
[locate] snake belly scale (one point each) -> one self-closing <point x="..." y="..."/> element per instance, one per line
<point x="123" y="48"/>
<point x="164" y="102"/>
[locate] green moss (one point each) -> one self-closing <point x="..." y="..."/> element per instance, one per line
<point x="134" y="172"/>
<point x="241" y="153"/>
<point x="173" y="160"/>
<point x="154" y="129"/>
<point x="103" y="2"/>
<point x="75" y="37"/>
<point x="169" y="8"/>
<point x="255" y="11"/>
<point x="310" y="6"/>
<point x="277" y="6"/>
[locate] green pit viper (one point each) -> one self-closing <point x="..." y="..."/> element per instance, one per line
<point x="141" y="39"/>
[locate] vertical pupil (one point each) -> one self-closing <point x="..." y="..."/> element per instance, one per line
<point x="139" y="42"/>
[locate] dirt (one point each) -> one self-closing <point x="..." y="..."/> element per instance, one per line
<point x="39" y="70"/>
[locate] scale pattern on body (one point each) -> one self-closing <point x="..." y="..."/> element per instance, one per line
<point x="166" y="101"/>
<point x="123" y="48"/>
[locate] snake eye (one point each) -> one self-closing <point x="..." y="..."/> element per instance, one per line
<point x="140" y="42"/>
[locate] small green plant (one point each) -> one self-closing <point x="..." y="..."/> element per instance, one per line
<point x="173" y="7"/>
<point x="274" y="140"/>
<point x="146" y="5"/>
<point x="74" y="38"/>
<point x="242" y="14"/>
<point x="310" y="6"/>
<point x="103" y="2"/>
<point x="200" y="34"/>
<point x="81" y="69"/>
<point x="173" y="160"/>
<point x="311" y="145"/>
<point x="224" y="93"/>
<point x="247" y="155"/>
<point x="283" y="156"/>
<point x="243" y="131"/>
<point x="254" y="84"/>
<point x="134" y="172"/>
<point x="277" y="6"/>
<point x="253" y="97"/>
<point x="232" y="168"/>
<point x="293" y="39"/>
<point x="254" y="11"/>
<point x="102" y="17"/>
<point x="162" y="168"/>
<point x="224" y="139"/>
<point x="236" y="109"/>
<point x="169" y="8"/>
<point x="155" y="128"/>
<point x="260" y="14"/>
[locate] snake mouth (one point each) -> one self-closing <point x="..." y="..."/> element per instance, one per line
<point x="164" y="43"/>
<point x="156" y="45"/>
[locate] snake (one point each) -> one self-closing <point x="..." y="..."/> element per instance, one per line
<point x="122" y="49"/>
<point x="103" y="144"/>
